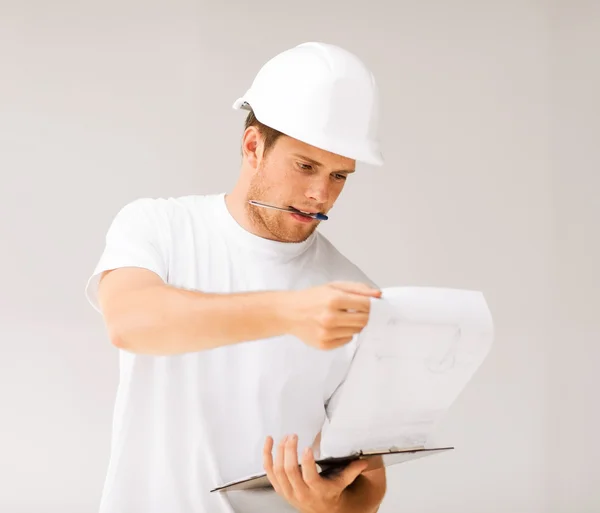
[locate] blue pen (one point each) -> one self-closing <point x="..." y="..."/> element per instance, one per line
<point x="318" y="215"/>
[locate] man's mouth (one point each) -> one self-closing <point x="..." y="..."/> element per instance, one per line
<point x="304" y="213"/>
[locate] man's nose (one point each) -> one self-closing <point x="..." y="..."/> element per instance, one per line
<point x="319" y="190"/>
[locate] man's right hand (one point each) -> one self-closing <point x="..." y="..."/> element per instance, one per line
<point x="328" y="316"/>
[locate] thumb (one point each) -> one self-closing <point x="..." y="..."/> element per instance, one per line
<point x="351" y="472"/>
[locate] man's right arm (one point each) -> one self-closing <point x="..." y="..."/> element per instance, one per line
<point x="145" y="315"/>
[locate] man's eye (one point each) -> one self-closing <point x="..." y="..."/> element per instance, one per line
<point x="339" y="176"/>
<point x="305" y="167"/>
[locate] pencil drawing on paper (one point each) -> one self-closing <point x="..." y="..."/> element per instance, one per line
<point x="447" y="360"/>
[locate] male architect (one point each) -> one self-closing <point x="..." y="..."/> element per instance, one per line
<point x="236" y="323"/>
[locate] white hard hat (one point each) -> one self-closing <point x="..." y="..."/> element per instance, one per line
<point x="322" y="95"/>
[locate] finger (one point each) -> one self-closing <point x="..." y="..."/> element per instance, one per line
<point x="292" y="468"/>
<point x="268" y="463"/>
<point x="335" y="343"/>
<point x="355" y="302"/>
<point x="340" y="334"/>
<point x="356" y="288"/>
<point x="353" y="320"/>
<point x="279" y="470"/>
<point x="351" y="472"/>
<point x="310" y="473"/>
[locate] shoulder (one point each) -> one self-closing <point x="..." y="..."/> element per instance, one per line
<point x="166" y="209"/>
<point x="337" y="265"/>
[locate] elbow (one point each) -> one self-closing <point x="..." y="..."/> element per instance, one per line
<point x="117" y="337"/>
<point x="118" y="341"/>
<point x="135" y="333"/>
<point x="120" y="328"/>
<point x="130" y="310"/>
<point x="125" y="323"/>
<point x="137" y="323"/>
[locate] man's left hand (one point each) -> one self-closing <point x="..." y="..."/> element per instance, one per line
<point x="304" y="488"/>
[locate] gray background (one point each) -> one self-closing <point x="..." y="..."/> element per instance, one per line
<point x="490" y="132"/>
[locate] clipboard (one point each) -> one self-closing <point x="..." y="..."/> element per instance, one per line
<point x="333" y="465"/>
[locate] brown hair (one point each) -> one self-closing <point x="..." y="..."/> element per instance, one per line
<point x="270" y="135"/>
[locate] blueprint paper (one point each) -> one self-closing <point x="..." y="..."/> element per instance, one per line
<point x="418" y="351"/>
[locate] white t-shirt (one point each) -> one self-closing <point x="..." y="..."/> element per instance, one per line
<point x="187" y="423"/>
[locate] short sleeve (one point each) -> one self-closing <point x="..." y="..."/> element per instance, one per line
<point x="135" y="238"/>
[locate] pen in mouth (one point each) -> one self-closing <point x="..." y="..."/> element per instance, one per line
<point x="294" y="210"/>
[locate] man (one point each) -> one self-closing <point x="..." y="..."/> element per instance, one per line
<point x="236" y="323"/>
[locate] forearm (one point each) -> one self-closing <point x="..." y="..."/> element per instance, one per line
<point x="164" y="320"/>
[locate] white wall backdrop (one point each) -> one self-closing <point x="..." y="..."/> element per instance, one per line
<point x="490" y="130"/>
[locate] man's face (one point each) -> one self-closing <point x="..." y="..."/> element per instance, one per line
<point x="299" y="175"/>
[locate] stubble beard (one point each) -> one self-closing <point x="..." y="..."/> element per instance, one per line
<point x="273" y="222"/>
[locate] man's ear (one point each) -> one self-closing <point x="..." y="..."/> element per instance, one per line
<point x="252" y="147"/>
